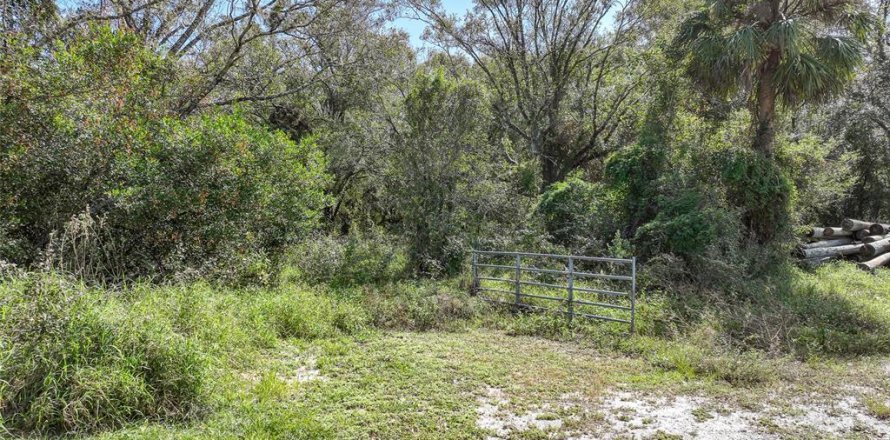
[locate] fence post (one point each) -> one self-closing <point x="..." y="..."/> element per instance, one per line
<point x="633" y="294"/>
<point x="571" y="279"/>
<point x="518" y="277"/>
<point x="474" y="288"/>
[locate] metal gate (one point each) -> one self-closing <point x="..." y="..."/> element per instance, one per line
<point x="587" y="287"/>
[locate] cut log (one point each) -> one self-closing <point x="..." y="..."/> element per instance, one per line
<point x="879" y="229"/>
<point x="817" y="233"/>
<point x="875" y="248"/>
<point x="835" y="251"/>
<point x="829" y="243"/>
<point x="835" y="231"/>
<point x="855" y="225"/>
<point x="873" y="238"/>
<point x="861" y="234"/>
<point x="874" y="263"/>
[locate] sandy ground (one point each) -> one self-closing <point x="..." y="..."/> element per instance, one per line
<point x="624" y="414"/>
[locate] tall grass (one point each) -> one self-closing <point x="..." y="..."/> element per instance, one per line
<point x="71" y="364"/>
<point x="76" y="359"/>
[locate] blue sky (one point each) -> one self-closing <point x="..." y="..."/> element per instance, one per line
<point x="414" y="28"/>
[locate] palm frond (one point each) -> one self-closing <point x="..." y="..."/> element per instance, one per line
<point x="805" y="77"/>
<point x="789" y="36"/>
<point x="722" y="9"/>
<point x="691" y="28"/>
<point x="860" y="24"/>
<point x="711" y="64"/>
<point x="826" y="10"/>
<point x="841" y="55"/>
<point x="746" y="44"/>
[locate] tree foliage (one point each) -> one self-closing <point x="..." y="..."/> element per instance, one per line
<point x="86" y="131"/>
<point x="204" y="136"/>
<point x="771" y="50"/>
<point x="565" y="84"/>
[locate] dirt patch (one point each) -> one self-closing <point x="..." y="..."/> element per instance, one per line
<point x="301" y="370"/>
<point x="637" y="415"/>
<point x="686" y="416"/>
<point x="640" y="416"/>
<point x="841" y="417"/>
<point x="493" y="415"/>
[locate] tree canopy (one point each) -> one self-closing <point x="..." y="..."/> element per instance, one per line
<point x="669" y="127"/>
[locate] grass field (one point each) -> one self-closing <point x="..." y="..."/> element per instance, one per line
<point x="478" y="383"/>
<point x="424" y="360"/>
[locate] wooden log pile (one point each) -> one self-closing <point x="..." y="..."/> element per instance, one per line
<point x="862" y="241"/>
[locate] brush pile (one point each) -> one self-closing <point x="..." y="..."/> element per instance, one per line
<point x="865" y="242"/>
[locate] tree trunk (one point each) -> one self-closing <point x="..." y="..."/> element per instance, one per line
<point x="861" y="234"/>
<point x="873" y="238"/>
<point x="549" y="172"/>
<point x="765" y="111"/>
<point x="817" y="233"/>
<point x="879" y="229"/>
<point x="836" y="231"/>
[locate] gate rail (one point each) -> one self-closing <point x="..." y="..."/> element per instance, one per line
<point x="570" y="301"/>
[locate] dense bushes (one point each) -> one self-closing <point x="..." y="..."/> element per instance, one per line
<point x="580" y="214"/>
<point x="441" y="180"/>
<point x="304" y="315"/>
<point x="362" y="257"/>
<point x="761" y="189"/>
<point x="420" y="306"/>
<point x="86" y="138"/>
<point x="685" y="225"/>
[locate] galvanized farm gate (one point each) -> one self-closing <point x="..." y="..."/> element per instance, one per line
<point x="613" y="283"/>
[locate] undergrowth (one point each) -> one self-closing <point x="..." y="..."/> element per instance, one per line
<point x="79" y="359"/>
<point x="70" y="363"/>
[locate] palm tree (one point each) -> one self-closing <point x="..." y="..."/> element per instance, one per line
<point x="773" y="51"/>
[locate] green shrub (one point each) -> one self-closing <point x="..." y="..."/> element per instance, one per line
<point x="761" y="188"/>
<point x="579" y="214"/>
<point x="419" y="306"/>
<point x="160" y="195"/>
<point x="356" y="259"/>
<point x="823" y="178"/>
<point x="636" y="171"/>
<point x="70" y="364"/>
<point x="444" y="185"/>
<point x="685" y="225"/>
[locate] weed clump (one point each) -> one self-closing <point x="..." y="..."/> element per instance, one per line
<point x="299" y="314"/>
<point x="420" y="306"/>
<point x="72" y="364"/>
